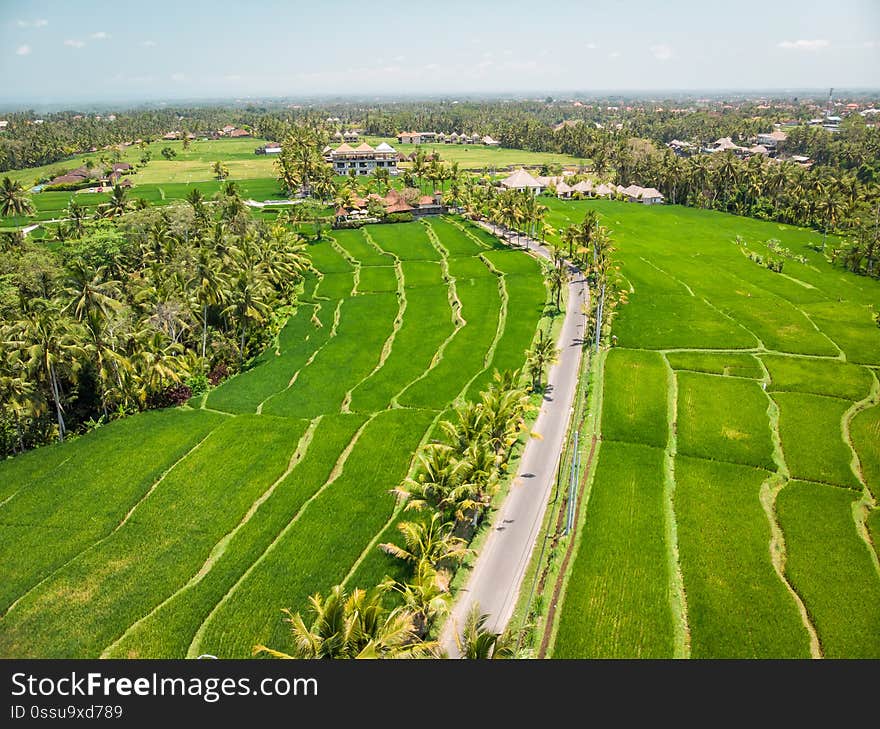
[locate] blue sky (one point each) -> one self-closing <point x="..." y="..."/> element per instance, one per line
<point x="94" y="51"/>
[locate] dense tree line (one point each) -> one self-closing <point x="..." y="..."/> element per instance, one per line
<point x="138" y="309"/>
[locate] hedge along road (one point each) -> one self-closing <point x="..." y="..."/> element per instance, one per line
<point x="499" y="569"/>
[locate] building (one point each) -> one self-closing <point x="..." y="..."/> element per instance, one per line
<point x="521" y="181"/>
<point x="489" y="142"/>
<point x="416" y="137"/>
<point x="682" y="148"/>
<point x="238" y="133"/>
<point x="771" y="140"/>
<point x="3" y="124"/>
<point x="363" y="159"/>
<point x="269" y="148"/>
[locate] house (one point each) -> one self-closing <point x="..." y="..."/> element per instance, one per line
<point x="547" y="181"/>
<point x="522" y="181"/>
<point x="74" y="177"/>
<point x="428" y="205"/>
<point x="772" y="140"/>
<point x="682" y="148"/>
<point x="350" y="136"/>
<point x="269" y="148"/>
<point x="584" y="188"/>
<point x="725" y="144"/>
<point x="238" y="133"/>
<point x="228" y="129"/>
<point x="171" y="135"/>
<point x="563" y="190"/>
<point x="363" y="159"/>
<point x="3" y="124"/>
<point x="416" y="137"/>
<point x="759" y="149"/>
<point x="650" y="196"/>
<point x="489" y="142"/>
<point x="603" y="190"/>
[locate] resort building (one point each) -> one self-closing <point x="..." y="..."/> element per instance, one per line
<point x="521" y="181"/>
<point x="416" y="137"/>
<point x="363" y="159"/>
<point x="489" y="142"/>
<point x="772" y="139"/>
<point x="269" y="148"/>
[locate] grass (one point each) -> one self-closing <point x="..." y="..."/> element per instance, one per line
<point x="723" y="419"/>
<point x="406" y="241"/>
<point x="377" y="279"/>
<point x="465" y="354"/>
<point x="812" y="440"/>
<point x="366" y="322"/>
<point x="425" y="327"/>
<point x="819" y="377"/>
<point x="865" y="433"/>
<point x="341" y="522"/>
<point x="82" y="499"/>
<point x="617" y="600"/>
<point x="730" y="364"/>
<point x="358" y="247"/>
<point x="454" y="240"/>
<point x="831" y="568"/>
<point x="421" y="273"/>
<point x="737" y="605"/>
<point x="478" y="156"/>
<point x="669" y="321"/>
<point x="635" y="402"/>
<point x="168" y="538"/>
<point x="168" y="631"/>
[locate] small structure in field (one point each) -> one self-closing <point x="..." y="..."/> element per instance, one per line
<point x="522" y="180"/>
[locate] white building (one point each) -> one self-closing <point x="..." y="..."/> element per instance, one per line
<point x="521" y="181"/>
<point x="363" y="159"/>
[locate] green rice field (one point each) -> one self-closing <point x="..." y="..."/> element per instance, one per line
<point x="186" y="531"/>
<point x="750" y="529"/>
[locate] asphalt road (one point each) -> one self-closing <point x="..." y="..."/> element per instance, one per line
<point x="497" y="574"/>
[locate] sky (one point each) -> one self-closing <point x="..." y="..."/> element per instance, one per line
<point x="89" y="50"/>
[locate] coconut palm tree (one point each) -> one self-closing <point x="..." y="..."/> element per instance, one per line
<point x="477" y="643"/>
<point x="221" y="171"/>
<point x="117" y="204"/>
<point x="557" y="277"/>
<point x="355" y="625"/>
<point x="542" y="354"/>
<point x="49" y="346"/>
<point x="208" y="285"/>
<point x="431" y="542"/>
<point x="425" y="595"/>
<point x="76" y="215"/>
<point x="13" y="199"/>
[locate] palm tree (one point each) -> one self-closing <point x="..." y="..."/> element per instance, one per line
<point x="90" y="292"/>
<point x="221" y="171"/>
<point x="556" y="279"/>
<point x="117" y="204"/>
<point x="49" y="345"/>
<point x="440" y="473"/>
<point x="76" y="215"/>
<point x="355" y="625"/>
<point x="13" y="199"/>
<point x="208" y="284"/>
<point x="431" y="542"/>
<point x="426" y="596"/>
<point x="542" y="354"/>
<point x="477" y="643"/>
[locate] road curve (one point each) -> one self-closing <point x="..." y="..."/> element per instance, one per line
<point x="498" y="572"/>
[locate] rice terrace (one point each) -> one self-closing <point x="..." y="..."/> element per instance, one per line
<point x="337" y="340"/>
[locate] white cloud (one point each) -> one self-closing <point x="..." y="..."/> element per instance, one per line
<point x="39" y="23"/>
<point x="399" y="59"/>
<point x="804" y="45"/>
<point x="100" y="35"/>
<point x="232" y="77"/>
<point x="23" y="50"/>
<point x="177" y="76"/>
<point x="661" y="52"/>
<point x="614" y="54"/>
<point x="74" y="43"/>
<point x="149" y="44"/>
<point x="871" y="44"/>
<point x="591" y="46"/>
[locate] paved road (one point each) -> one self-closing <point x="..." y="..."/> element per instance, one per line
<point x="500" y="567"/>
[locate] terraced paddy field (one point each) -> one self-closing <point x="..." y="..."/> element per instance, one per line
<point x="186" y="531"/>
<point x="733" y="507"/>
